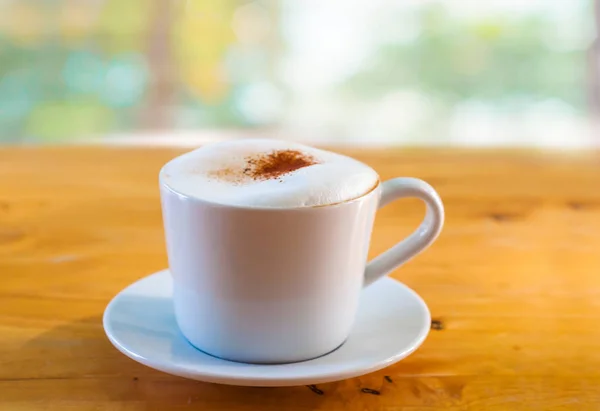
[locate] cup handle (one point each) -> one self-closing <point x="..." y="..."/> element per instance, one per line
<point x="420" y="239"/>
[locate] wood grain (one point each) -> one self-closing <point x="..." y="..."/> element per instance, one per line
<point x="513" y="284"/>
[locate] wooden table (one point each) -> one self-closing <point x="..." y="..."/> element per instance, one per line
<point x="513" y="284"/>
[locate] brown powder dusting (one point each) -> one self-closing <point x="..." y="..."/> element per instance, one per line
<point x="276" y="164"/>
<point x="227" y="174"/>
<point x="262" y="167"/>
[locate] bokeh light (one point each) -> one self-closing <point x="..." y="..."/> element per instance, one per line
<point x="409" y="72"/>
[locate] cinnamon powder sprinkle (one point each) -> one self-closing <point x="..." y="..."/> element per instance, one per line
<point x="276" y="164"/>
<point x="229" y="174"/>
<point x="262" y="167"/>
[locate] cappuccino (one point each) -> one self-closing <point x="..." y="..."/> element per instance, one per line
<point x="268" y="173"/>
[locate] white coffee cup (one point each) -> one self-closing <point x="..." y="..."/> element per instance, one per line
<point x="277" y="285"/>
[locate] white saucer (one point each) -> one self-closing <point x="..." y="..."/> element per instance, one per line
<point x="392" y="322"/>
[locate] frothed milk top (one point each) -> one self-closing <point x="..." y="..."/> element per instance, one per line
<point x="268" y="173"/>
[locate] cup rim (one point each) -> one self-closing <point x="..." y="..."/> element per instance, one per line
<point x="186" y="197"/>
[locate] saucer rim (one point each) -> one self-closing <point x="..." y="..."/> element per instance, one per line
<point x="221" y="377"/>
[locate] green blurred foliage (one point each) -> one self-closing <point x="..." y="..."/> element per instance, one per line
<point x="495" y="60"/>
<point x="50" y="121"/>
<point x="123" y="26"/>
<point x="69" y="70"/>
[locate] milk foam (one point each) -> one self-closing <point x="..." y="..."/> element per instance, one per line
<point x="218" y="173"/>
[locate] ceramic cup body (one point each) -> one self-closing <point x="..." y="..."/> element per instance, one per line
<point x="267" y="285"/>
<point x="273" y="285"/>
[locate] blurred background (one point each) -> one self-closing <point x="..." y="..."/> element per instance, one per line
<point x="378" y="72"/>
